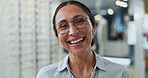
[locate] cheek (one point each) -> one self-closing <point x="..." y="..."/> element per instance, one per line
<point x="89" y="30"/>
<point x="62" y="39"/>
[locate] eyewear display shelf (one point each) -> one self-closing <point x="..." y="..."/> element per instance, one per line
<point x="31" y="43"/>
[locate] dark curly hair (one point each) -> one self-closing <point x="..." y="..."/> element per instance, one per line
<point x="82" y="6"/>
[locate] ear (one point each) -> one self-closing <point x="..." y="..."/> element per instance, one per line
<point x="93" y="30"/>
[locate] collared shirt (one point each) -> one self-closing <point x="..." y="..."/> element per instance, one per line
<point x="102" y="69"/>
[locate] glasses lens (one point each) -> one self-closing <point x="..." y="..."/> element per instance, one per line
<point x="79" y="22"/>
<point x="62" y="27"/>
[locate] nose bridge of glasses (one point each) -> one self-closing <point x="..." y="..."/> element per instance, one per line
<point x="72" y="24"/>
<point x="72" y="27"/>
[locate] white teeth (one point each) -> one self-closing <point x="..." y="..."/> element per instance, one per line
<point x="76" y="41"/>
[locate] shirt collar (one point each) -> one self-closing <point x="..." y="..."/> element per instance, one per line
<point x="99" y="63"/>
<point x="63" y="64"/>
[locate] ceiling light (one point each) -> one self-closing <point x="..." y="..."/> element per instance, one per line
<point x="124" y="5"/>
<point x="103" y="12"/>
<point x="121" y="4"/>
<point x="117" y="2"/>
<point x="97" y="17"/>
<point x="125" y="0"/>
<point x="110" y="11"/>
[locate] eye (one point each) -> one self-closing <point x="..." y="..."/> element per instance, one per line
<point x="79" y="21"/>
<point x="63" y="26"/>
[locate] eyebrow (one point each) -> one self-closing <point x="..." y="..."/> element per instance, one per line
<point x="64" y="20"/>
<point x="78" y="16"/>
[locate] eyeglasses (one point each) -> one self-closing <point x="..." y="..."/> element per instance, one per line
<point x="79" y="22"/>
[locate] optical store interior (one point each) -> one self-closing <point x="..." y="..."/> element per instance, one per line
<point x="28" y="42"/>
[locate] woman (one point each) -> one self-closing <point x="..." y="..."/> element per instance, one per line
<point x="74" y="27"/>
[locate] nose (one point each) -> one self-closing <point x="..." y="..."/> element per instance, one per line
<point x="73" y="30"/>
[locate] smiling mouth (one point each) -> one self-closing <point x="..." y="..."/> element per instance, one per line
<point x="76" y="41"/>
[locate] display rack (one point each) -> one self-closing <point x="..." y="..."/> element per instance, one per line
<point x="145" y="32"/>
<point x="30" y="41"/>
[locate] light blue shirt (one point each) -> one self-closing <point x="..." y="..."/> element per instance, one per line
<point x="102" y="69"/>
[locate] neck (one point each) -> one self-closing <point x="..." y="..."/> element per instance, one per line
<point x="82" y="65"/>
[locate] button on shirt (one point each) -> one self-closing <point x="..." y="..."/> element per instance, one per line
<point x="102" y="69"/>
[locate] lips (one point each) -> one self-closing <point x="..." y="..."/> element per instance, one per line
<point x="76" y="40"/>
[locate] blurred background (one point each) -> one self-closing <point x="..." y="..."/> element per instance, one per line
<point x="27" y="41"/>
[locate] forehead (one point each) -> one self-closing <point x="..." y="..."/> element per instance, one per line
<point x="68" y="12"/>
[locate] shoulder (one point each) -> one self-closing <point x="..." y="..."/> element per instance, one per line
<point x="115" y="68"/>
<point x="50" y="69"/>
<point x="111" y="69"/>
<point x="108" y="65"/>
<point x="112" y="65"/>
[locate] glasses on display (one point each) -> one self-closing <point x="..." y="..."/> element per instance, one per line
<point x="78" y="21"/>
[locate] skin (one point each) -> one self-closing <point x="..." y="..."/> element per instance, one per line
<point x="81" y="59"/>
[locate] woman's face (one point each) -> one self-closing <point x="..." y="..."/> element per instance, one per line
<point x="77" y="40"/>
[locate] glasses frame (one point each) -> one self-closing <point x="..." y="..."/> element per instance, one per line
<point x="86" y="21"/>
